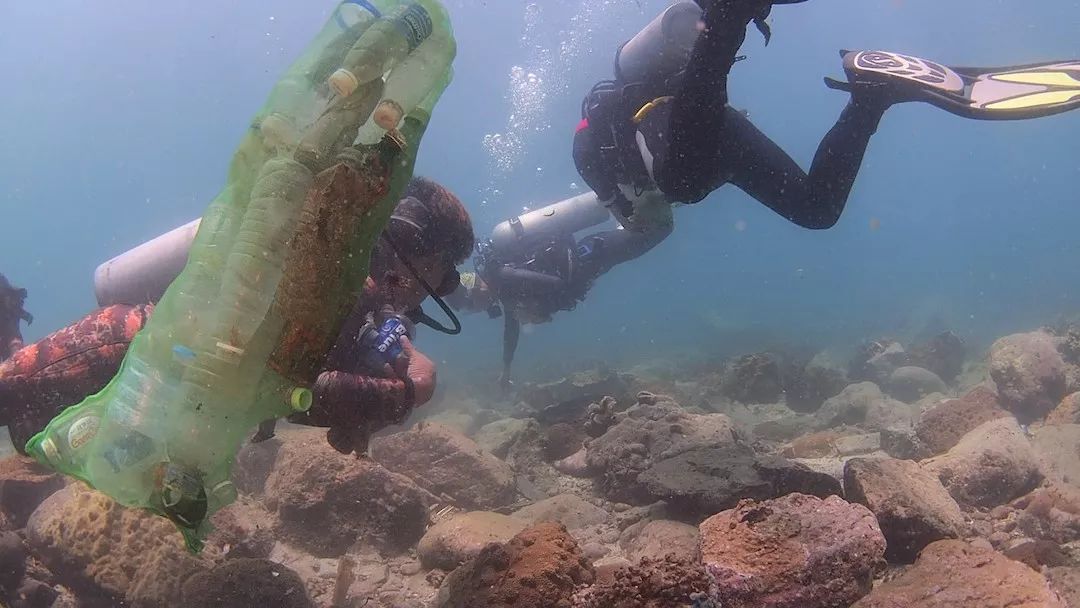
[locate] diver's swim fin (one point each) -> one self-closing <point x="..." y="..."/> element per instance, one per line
<point x="1008" y="93"/>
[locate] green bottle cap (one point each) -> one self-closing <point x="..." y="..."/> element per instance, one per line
<point x="300" y="399"/>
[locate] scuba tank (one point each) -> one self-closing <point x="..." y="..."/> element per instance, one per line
<point x="515" y="239"/>
<point x="662" y="48"/>
<point x="143" y="273"/>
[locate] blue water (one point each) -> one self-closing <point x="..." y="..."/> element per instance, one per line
<point x="118" y="124"/>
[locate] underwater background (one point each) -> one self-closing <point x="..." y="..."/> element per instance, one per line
<point x="118" y="124"/>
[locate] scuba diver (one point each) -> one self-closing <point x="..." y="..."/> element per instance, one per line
<point x="373" y="376"/>
<point x="533" y="266"/>
<point x="11" y="315"/>
<point x="662" y="132"/>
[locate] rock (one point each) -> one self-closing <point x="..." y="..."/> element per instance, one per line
<point x="664" y="539"/>
<point x="911" y="506"/>
<point x="1049" y="513"/>
<point x="943" y="354"/>
<point x="566" y="400"/>
<point x="646" y="433"/>
<point x="538" y="568"/>
<point x="654" y="583"/>
<point x="783" y="429"/>
<point x="562" y="440"/>
<point x="463" y="422"/>
<point x="1066" y="582"/>
<point x="1029" y="374"/>
<point x="991" y="465"/>
<point x="856" y="445"/>
<point x="254" y="463"/>
<point x="863" y="404"/>
<point x="445" y="462"/>
<point x="820" y="444"/>
<point x="876" y="360"/>
<point x="940" y="427"/>
<point x="753" y="379"/>
<point x="807" y="388"/>
<point x="1035" y="553"/>
<point x="12" y="562"/>
<point x="327" y="501"/>
<point x="246" y="582"/>
<point x="499" y="436"/>
<point x="706" y="480"/>
<point x="1067" y="412"/>
<point x="952" y="573"/>
<point x="910" y="383"/>
<point x="575" y="465"/>
<point x="903" y="443"/>
<point x="125" y="553"/>
<point x="797" y="551"/>
<point x="244" y="528"/>
<point x="451" y="542"/>
<point x="24" y="484"/>
<point x="569" y="510"/>
<point x="1058" y="451"/>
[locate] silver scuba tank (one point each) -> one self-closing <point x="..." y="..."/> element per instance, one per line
<point x="515" y="238"/>
<point x="142" y="274"/>
<point x="662" y="48"/>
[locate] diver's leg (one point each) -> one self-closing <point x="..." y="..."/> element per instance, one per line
<point x="686" y="168"/>
<point x="613" y="247"/>
<point x="511" y="334"/>
<point x="764" y="171"/>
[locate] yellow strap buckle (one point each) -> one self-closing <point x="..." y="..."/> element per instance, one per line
<point x="649" y="107"/>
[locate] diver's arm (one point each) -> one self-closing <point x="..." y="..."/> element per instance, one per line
<point x="511" y="333"/>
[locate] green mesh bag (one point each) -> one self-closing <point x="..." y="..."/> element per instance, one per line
<point x="279" y="259"/>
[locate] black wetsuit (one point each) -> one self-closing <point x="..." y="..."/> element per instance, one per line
<point x="699" y="143"/>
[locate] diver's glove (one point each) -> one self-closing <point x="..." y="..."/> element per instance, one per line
<point x="750" y="11"/>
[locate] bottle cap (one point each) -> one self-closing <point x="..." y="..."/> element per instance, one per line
<point x="300" y="399"/>
<point x="343" y="82"/>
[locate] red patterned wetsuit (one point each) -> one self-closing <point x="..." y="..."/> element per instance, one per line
<point x="66" y="366"/>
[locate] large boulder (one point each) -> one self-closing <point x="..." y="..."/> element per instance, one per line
<point x="1058" y="450"/>
<point x="245" y="582"/>
<point x="654" y="429"/>
<point x="910" y="383"/>
<point x="874" y="361"/>
<point x="952" y="573"/>
<point x="806" y="388"/>
<point x="24" y="484"/>
<point x="864" y="404"/>
<point x="1029" y="374"/>
<point x="941" y="426"/>
<point x="445" y="462"/>
<point x="797" y="551"/>
<point x="327" y="501"/>
<point x="706" y="480"/>
<point x="459" y="538"/>
<point x="911" y="506"/>
<point x="569" y="510"/>
<point x="1067" y="412"/>
<point x="538" y="568"/>
<point x="499" y="436"/>
<point x="753" y="379"/>
<point x="128" y="554"/>
<point x="991" y="465"/>
<point x="943" y="354"/>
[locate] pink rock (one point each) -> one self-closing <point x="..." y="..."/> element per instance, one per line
<point x="796" y="551"/>
<point x="1029" y="374"/>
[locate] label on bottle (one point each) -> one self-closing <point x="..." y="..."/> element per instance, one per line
<point x="83" y="431"/>
<point x="414" y="22"/>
